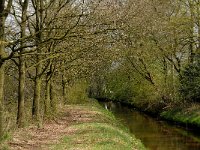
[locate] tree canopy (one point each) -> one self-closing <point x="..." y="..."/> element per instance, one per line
<point x="138" y="51"/>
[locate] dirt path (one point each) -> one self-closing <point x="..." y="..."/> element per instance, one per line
<point x="32" y="138"/>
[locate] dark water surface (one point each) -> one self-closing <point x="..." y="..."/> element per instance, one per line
<point x="154" y="134"/>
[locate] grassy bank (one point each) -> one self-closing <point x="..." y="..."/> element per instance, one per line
<point x="188" y="114"/>
<point x="185" y="114"/>
<point x="85" y="126"/>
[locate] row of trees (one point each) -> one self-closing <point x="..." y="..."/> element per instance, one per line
<point x="160" y="54"/>
<point x="46" y="45"/>
<point x="141" y="51"/>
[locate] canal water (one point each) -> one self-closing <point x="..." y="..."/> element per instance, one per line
<point x="154" y="133"/>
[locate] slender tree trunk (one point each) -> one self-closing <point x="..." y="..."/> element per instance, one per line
<point x="165" y="71"/>
<point x="64" y="93"/>
<point x="22" y="69"/>
<point x="2" y="53"/>
<point x="172" y="81"/>
<point x="53" y="98"/>
<point x="64" y="89"/>
<point x="166" y="86"/>
<point x="1" y="100"/>
<point x="47" y="101"/>
<point x="38" y="78"/>
<point x="191" y="56"/>
<point x="22" y="76"/>
<point x="37" y="94"/>
<point x="36" y="99"/>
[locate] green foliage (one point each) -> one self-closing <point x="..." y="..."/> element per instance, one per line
<point x="190" y="82"/>
<point x="76" y="94"/>
<point x="118" y="86"/>
<point x="144" y="92"/>
<point x="129" y="88"/>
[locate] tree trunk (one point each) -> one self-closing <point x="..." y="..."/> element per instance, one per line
<point x="36" y="99"/>
<point x="64" y="89"/>
<point x="22" y="76"/>
<point x="165" y="71"/>
<point x="2" y="53"/>
<point x="172" y="81"/>
<point x="22" y="69"/>
<point x="53" y="98"/>
<point x="47" y="101"/>
<point x="64" y="93"/>
<point x="1" y="100"/>
<point x="38" y="79"/>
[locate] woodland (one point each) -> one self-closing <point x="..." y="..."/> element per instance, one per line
<point x="57" y="52"/>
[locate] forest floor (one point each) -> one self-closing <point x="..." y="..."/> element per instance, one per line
<point x="78" y="127"/>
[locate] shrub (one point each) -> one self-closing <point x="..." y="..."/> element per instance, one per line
<point x="190" y="82"/>
<point x="76" y="94"/>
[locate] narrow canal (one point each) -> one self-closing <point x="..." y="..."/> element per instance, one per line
<point x="154" y="134"/>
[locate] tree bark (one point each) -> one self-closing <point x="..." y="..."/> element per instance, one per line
<point x="22" y="69"/>
<point x="1" y="100"/>
<point x="22" y="75"/>
<point x="165" y="69"/>
<point x="64" y="88"/>
<point x="36" y="99"/>
<point x="2" y="51"/>
<point x="47" y="101"/>
<point x="53" y="98"/>
<point x="38" y="78"/>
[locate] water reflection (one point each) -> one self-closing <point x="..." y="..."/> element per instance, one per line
<point x="156" y="135"/>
